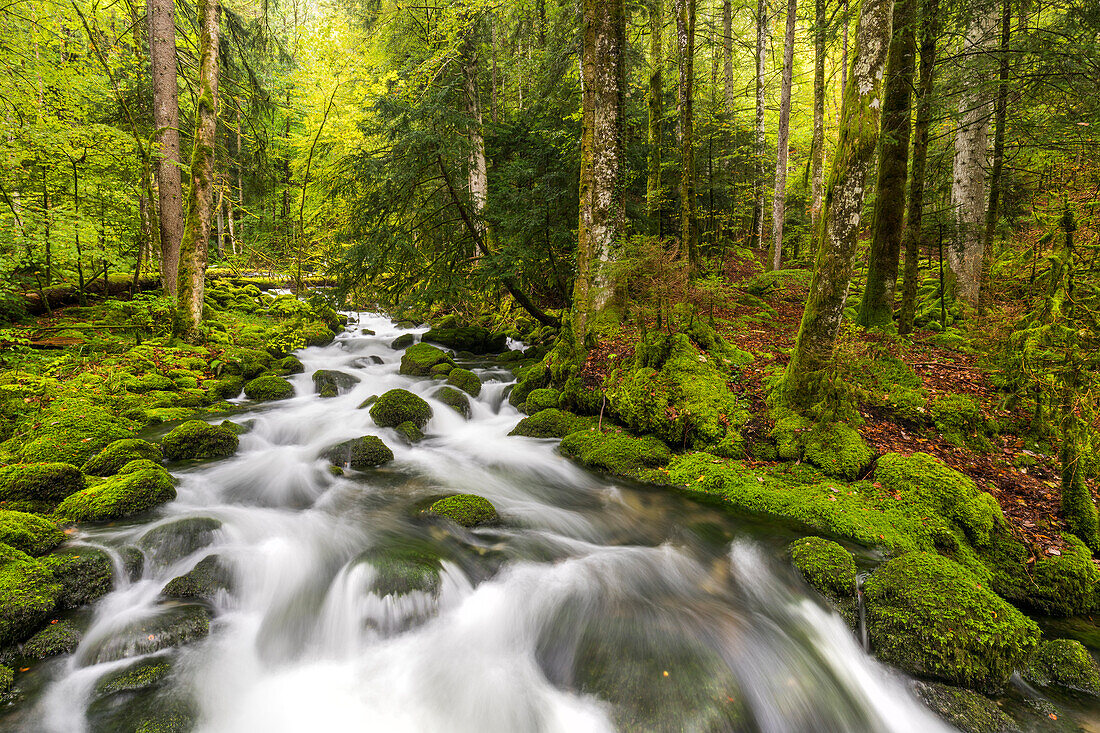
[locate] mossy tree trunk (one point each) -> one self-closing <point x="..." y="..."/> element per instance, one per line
<point x="685" y="97"/>
<point x="779" y="200"/>
<point x="196" y="232"/>
<point x="655" y="101"/>
<point x="817" y="153"/>
<point x="727" y="59"/>
<point x="838" y="233"/>
<point x="166" y="118"/>
<point x="601" y="197"/>
<point x="915" y="218"/>
<point x="992" y="213"/>
<point x="760" y="140"/>
<point x="877" y="306"/>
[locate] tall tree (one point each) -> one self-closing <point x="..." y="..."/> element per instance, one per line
<point x="761" y="140"/>
<point x="727" y="57"/>
<point x="196" y="233"/>
<point x="877" y="306"/>
<point x="166" y="117"/>
<point x="779" y="201"/>
<point x="655" y="99"/>
<point x="817" y="151"/>
<point x="1000" y="119"/>
<point x="601" y="197"/>
<point x="838" y="234"/>
<point x="685" y="94"/>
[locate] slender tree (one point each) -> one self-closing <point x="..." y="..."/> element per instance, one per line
<point x="166" y="117"/>
<point x="655" y="101"/>
<point x="1000" y="119"/>
<point x="685" y="94"/>
<point x="727" y="57"/>
<point x="761" y="140"/>
<point x="779" y="200"/>
<point x="817" y="153"/>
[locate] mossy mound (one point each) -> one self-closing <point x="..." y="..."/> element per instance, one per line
<point x="403" y="341"/>
<point x="1065" y="663"/>
<point x="148" y="383"/>
<point x="143" y="675"/>
<point x="83" y="574"/>
<point x="925" y="481"/>
<point x="826" y="566"/>
<point x="244" y="362"/>
<point x="226" y="387"/>
<point x="468" y="510"/>
<point x="123" y="495"/>
<point x="116" y="455"/>
<point x="72" y="430"/>
<point x="41" y="482"/>
<point x="1063" y="585"/>
<point x="400" y="405"/>
<point x="457" y="401"/>
<point x="959" y="420"/>
<point x="837" y="449"/>
<point x="29" y="533"/>
<point x="784" y="284"/>
<point x="166" y="543"/>
<point x="289" y="365"/>
<point x="331" y="383"/>
<point x="268" y="388"/>
<point x="410" y="432"/>
<point x="475" y="339"/>
<point x="442" y="370"/>
<point x="402" y="570"/>
<point x="28" y="595"/>
<point x="58" y="638"/>
<point x="202" y="583"/>
<point x="551" y="424"/>
<point x="465" y="380"/>
<point x="929" y="616"/>
<point x="616" y="453"/>
<point x="544" y="398"/>
<point x="965" y="709"/>
<point x="529" y="379"/>
<point x="418" y="359"/>
<point x="196" y="439"/>
<point x="360" y="454"/>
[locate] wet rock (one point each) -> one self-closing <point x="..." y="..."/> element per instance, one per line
<point x="268" y="387"/>
<point x="116" y="455"/>
<point x="289" y="365"/>
<point x="398" y="406"/>
<point x="175" y="540"/>
<point x="474" y="339"/>
<point x="402" y="570"/>
<point x="366" y="331"/>
<point x="403" y="341"/>
<point x="457" y="401"/>
<point x="138" y="487"/>
<point x="44" y="482"/>
<point x="551" y="423"/>
<point x="331" y="383"/>
<point x="173" y="626"/>
<point x="418" y="360"/>
<point x="465" y="380"/>
<point x="133" y="562"/>
<point x="84" y="574"/>
<point x="1064" y="663"/>
<point x="967" y="710"/>
<point x="367" y="402"/>
<point x="30" y="533"/>
<point x="410" y="432"/>
<point x="28" y="595"/>
<point x="196" y="439"/>
<point x="143" y="675"/>
<point x="361" y="453"/>
<point x="203" y="582"/>
<point x="62" y="637"/>
<point x="467" y="510"/>
<point x="235" y="427"/>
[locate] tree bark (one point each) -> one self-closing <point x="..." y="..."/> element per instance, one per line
<point x="877" y="306"/>
<point x="817" y="154"/>
<point x="1001" y="115"/>
<point x="727" y="57"/>
<point x="782" y="145"/>
<point x="839" y="231"/>
<point x="196" y="233"/>
<point x="166" y="117"/>
<point x="968" y="196"/>
<point x="477" y="172"/>
<point x="602" y="209"/>
<point x="656" y="113"/>
<point x="912" y="237"/>
<point x="761" y="141"/>
<point x="685" y="97"/>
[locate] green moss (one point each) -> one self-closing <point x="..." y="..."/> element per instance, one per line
<point x="1066" y="663"/>
<point x="45" y="482"/>
<point x="72" y="430"/>
<point x="175" y="625"/>
<point x="965" y="709"/>
<point x="475" y="339"/>
<point x="1063" y="585"/>
<point x="529" y="379"/>
<point x="83" y="574"/>
<point x="826" y="566"/>
<point x="360" y="453"/>
<point x="782" y="283"/>
<point x="202" y="583"/>
<point x="442" y="369"/>
<point x="245" y="362"/>
<point x="410" y="432"/>
<point x="927" y="482"/>
<point x="226" y="387"/>
<point x="457" y="401"/>
<point x="148" y="383"/>
<point x="959" y="420"/>
<point x="551" y="424"/>
<point x="404" y="569"/>
<point x="616" y="453"/>
<point x="119" y="496"/>
<point x="268" y="387"/>
<point x="403" y="341"/>
<point x="143" y="675"/>
<point x="837" y="449"/>
<point x="28" y="595"/>
<point x="116" y="455"/>
<point x="331" y="383"/>
<point x="467" y="510"/>
<point x="57" y="638"/>
<point x="400" y="405"/>
<point x="172" y="541"/>
<point x="198" y="439"/>
<point x="541" y="399"/>
<point x="289" y="365"/>
<point x="419" y="359"/>
<point x="30" y="533"/>
<point x="929" y="616"/>
<point x="465" y="380"/>
<point x="7" y="679"/>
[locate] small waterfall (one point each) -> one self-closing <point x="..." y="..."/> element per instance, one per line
<point x="863" y="636"/>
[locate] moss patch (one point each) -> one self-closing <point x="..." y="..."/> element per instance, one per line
<point x="119" y="496"/>
<point x="268" y="387"/>
<point x="57" y="638"/>
<point x="826" y="566"/>
<point x="72" y="430"/>
<point x="456" y="400"/>
<point x="837" y="449"/>
<point x="202" y="583"/>
<point x="1066" y="663"/>
<point x="419" y="359"/>
<point x="616" y="453"/>
<point x="28" y="595"/>
<point x="360" y="453"/>
<point x="552" y="423"/>
<point x="544" y="398"/>
<point x="45" y="482"/>
<point x="1064" y="585"/>
<point x="403" y="341"/>
<point x="465" y="380"/>
<point x="30" y="533"/>
<point x="475" y="339"/>
<point x="197" y="439"/>
<point x="400" y="405"/>
<point x="467" y="510"/>
<point x="331" y="383"/>
<point x="116" y="455"/>
<point x="82" y="573"/>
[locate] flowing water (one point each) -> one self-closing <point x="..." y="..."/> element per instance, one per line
<point x="595" y="606"/>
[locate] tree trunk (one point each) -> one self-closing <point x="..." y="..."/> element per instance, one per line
<point x="192" y="270"/>
<point x="912" y="238"/>
<point x="877" y="306"/>
<point x="779" y="200"/>
<point x="968" y="197"/>
<point x="1001" y="114"/>
<point x="727" y="57"/>
<point x="477" y="171"/>
<point x="685" y="97"/>
<point x="761" y="142"/>
<point x="839" y="231"/>
<point x="656" y="113"/>
<point x="166" y="117"/>
<point x="817" y="154"/>
<point x="602" y="209"/>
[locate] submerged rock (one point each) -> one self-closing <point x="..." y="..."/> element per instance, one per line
<point x="141" y="675"/>
<point x="465" y="380"/>
<point x="331" y="383"/>
<point x="967" y="710"/>
<point x="139" y="486"/>
<point x="197" y="439"/>
<point x="398" y="406"/>
<point x="457" y="401"/>
<point x="175" y="540"/>
<point x="268" y="387"/>
<point x="361" y="453"/>
<point x="468" y="510"/>
<point x="202" y="583"/>
<point x="418" y="360"/>
<point x="403" y="569"/>
<point x="830" y="570"/>
<point x="84" y="574"/>
<point x="174" y="626"/>
<point x="116" y="455"/>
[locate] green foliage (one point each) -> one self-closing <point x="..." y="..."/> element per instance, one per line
<point x="467" y="510"/>
<point x="197" y="439"/>
<point x="398" y="406"/>
<point x="959" y="420"/>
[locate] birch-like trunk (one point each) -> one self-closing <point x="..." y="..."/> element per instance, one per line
<point x="656" y="113"/>
<point x="817" y="153"/>
<point x="968" y="196"/>
<point x="779" y="200"/>
<point x="196" y="233"/>
<point x="477" y="170"/>
<point x="601" y="197"/>
<point x="166" y="117"/>
<point x="685" y="97"/>
<point x="839" y="231"/>
<point x="761" y="141"/>
<point x="727" y="57"/>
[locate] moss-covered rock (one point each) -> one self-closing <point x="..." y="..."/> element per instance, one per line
<point x="529" y="379"/>
<point x="958" y="419"/>
<point x="419" y="359"/>
<point x="7" y="679"/>
<point x="1065" y="663"/>
<point x="410" y="432"/>
<point x="289" y="365"/>
<point x="30" y="533"/>
<point x="202" y="583"/>
<point x="475" y="339"/>
<point x="142" y="675"/>
<point x="929" y="616"/>
<point x="235" y="427"/>
<point x="404" y="569"/>
<point x="400" y="405"/>
<point x="457" y="401"/>
<point x="196" y="439"/>
<point x="28" y="595"/>
<point x="616" y="453"/>
<point x="44" y="482"/>
<point x="226" y="387"/>
<point x="83" y="574"/>
<point x="244" y="362"/>
<point x="331" y="383"/>
<point x="116" y="455"/>
<point x="1063" y="585"/>
<point x="61" y="637"/>
<point x="171" y="541"/>
<point x="551" y="424"/>
<point x="965" y="709"/>
<point x="826" y="566"/>
<point x="148" y="383"/>
<point x="837" y="449"/>
<point x="123" y="495"/>
<point x="441" y="370"/>
<point x="541" y="399"/>
<point x="468" y="510"/>
<point x="174" y="626"/>
<point x="465" y="380"/>
<point x="360" y="454"/>
<point x="72" y="430"/>
<point x="268" y="388"/>
<point x="403" y="341"/>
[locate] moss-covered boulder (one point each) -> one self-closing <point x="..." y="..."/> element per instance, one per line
<point x="400" y="405"/>
<point x="838" y="450"/>
<point x="542" y="399"/>
<point x="403" y="341"/>
<point x="925" y="481"/>
<point x="176" y="539"/>
<point x="404" y="569"/>
<point x="268" y="387"/>
<point x="465" y="380"/>
<point x="226" y="387"/>
<point x="196" y="439"/>
<point x="967" y="710"/>
<point x="116" y="455"/>
<point x="289" y="365"/>
<point x="148" y="383"/>
<point x="360" y="454"/>
<point x="551" y="423"/>
<point x="826" y="566"/>
<point x="331" y="383"/>
<point x="959" y="419"/>
<point x="441" y="370"/>
<point x="142" y="675"/>
<point x="528" y="379"/>
<point x="138" y="487"/>
<point x="475" y="339"/>
<point x="410" y="432"/>
<point x="457" y="401"/>
<point x="468" y="510"/>
<point x="62" y="637"/>
<point x="173" y="626"/>
<point x="1065" y="584"/>
<point x="1064" y="663"/>
<point x="30" y="533"/>
<point x="616" y="453"/>
<point x="28" y="595"/>
<point x="72" y="430"/>
<point x="931" y="617"/>
<point x="418" y="359"/>
<point x="83" y="574"/>
<point x="39" y="482"/>
<point x="245" y="362"/>
<point x="203" y="582"/>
